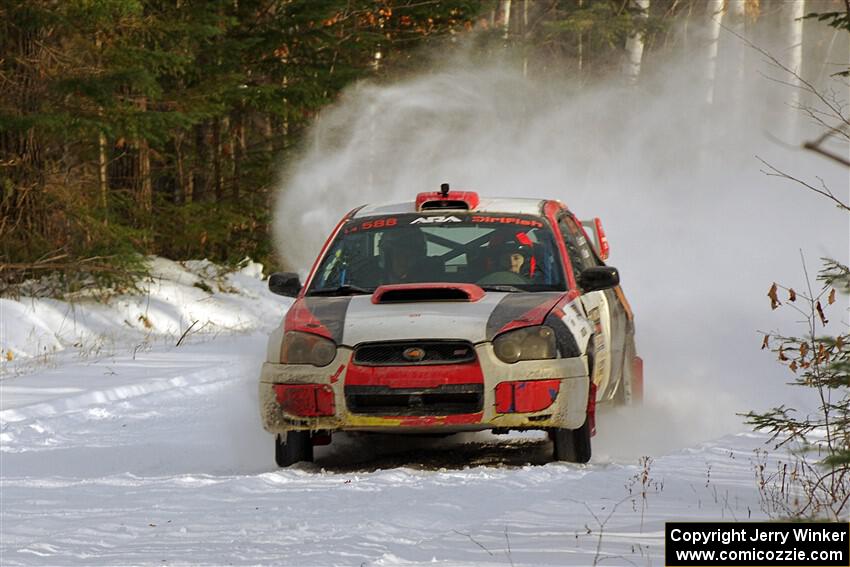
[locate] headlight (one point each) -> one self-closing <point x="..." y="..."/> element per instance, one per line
<point x="306" y="348"/>
<point x="528" y="343"/>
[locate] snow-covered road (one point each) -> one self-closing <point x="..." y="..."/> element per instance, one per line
<point x="145" y="453"/>
<point x="168" y="464"/>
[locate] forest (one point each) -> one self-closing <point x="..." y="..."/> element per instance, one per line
<point x="138" y="127"/>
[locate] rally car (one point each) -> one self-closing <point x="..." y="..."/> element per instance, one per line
<point x="451" y="313"/>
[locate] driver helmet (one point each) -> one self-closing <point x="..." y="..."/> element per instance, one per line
<point x="400" y="249"/>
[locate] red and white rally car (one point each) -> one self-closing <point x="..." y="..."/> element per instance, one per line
<point x="451" y="313"/>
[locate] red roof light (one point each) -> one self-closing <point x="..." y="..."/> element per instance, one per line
<point x="451" y="200"/>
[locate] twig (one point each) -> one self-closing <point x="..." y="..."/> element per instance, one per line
<point x="508" y="541"/>
<point x="804" y="84"/>
<point x="472" y="539"/>
<point x="186" y="332"/>
<point x="815" y="147"/>
<point x="824" y="192"/>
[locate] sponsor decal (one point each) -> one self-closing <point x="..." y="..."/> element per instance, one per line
<point x="507" y="220"/>
<point x="434" y="220"/>
<point x="599" y="347"/>
<point x="370" y="225"/>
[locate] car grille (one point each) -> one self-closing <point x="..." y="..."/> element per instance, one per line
<point x="435" y="352"/>
<point x="448" y="399"/>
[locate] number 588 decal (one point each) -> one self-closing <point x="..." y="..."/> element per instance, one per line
<point x="371" y="224"/>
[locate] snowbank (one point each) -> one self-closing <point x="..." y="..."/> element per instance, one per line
<point x="195" y="295"/>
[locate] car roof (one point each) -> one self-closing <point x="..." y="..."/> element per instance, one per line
<point x="516" y="206"/>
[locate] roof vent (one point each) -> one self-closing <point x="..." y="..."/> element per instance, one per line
<point x="446" y="199"/>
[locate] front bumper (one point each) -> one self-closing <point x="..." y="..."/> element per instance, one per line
<point x="567" y="410"/>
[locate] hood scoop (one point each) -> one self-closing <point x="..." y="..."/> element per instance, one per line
<point x="410" y="293"/>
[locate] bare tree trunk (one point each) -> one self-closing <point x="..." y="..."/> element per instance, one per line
<point x="102" y="163"/>
<point x="103" y="179"/>
<point x="715" y="15"/>
<point x="144" y="173"/>
<point x="796" y="11"/>
<point x="144" y="164"/>
<point x="634" y="44"/>
<point x="216" y="148"/>
<point x="580" y="45"/>
<point x="524" y="38"/>
<point x="227" y="155"/>
<point x="189" y="193"/>
<point x="240" y="149"/>
<point x="506" y="17"/>
<point x="200" y="177"/>
<point x="268" y="133"/>
<point x="737" y="21"/>
<point x="181" y="191"/>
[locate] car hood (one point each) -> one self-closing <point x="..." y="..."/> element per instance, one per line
<point x="356" y="319"/>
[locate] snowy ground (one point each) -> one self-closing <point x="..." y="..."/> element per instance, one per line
<point x="118" y="447"/>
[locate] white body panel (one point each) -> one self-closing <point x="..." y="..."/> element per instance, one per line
<point x="366" y="321"/>
<point x="598" y="314"/>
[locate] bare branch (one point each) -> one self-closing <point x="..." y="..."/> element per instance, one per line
<point x="815" y="147"/>
<point x="774" y="172"/>
<point x="803" y="83"/>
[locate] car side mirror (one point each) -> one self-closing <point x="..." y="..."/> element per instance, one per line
<point x="598" y="278"/>
<point x="285" y="283"/>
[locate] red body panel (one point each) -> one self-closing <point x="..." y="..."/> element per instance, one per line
<point x="591" y="408"/>
<point x="300" y="318"/>
<point x="307" y="400"/>
<point x="423" y="376"/>
<point x="604" y="247"/>
<point x="534" y="316"/>
<point x="525" y="397"/>
<point x="550" y="211"/>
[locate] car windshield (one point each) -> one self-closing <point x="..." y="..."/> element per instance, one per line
<point x="499" y="252"/>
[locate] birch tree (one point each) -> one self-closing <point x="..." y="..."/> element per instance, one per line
<point x="634" y="44"/>
<point x="715" y="15"/>
<point x="795" y="12"/>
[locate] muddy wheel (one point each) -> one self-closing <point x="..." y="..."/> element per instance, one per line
<point x="296" y="447"/>
<point x="572" y="445"/>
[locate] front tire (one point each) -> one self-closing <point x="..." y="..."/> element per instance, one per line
<point x="295" y="448"/>
<point x="572" y="445"/>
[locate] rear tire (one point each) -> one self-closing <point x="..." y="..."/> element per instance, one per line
<point x="296" y="448"/>
<point x="572" y="445"/>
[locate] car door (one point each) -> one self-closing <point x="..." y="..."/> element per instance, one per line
<point x="596" y="306"/>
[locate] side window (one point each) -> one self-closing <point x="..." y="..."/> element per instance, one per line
<point x="578" y="248"/>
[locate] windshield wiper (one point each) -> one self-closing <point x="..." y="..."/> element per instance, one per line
<point x="341" y="290"/>
<point x="505" y="288"/>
